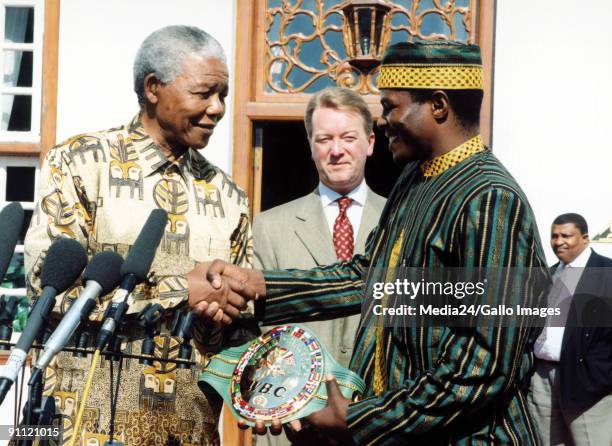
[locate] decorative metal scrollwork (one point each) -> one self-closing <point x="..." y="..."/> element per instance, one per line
<point x="305" y="44"/>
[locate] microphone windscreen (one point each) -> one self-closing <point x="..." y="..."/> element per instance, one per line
<point x="104" y="268"/>
<point x="142" y="253"/>
<point x="11" y="221"/>
<point x="64" y="262"/>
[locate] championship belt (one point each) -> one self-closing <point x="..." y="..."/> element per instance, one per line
<point x="280" y="375"/>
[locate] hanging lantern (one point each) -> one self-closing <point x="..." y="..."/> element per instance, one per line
<point x="366" y="32"/>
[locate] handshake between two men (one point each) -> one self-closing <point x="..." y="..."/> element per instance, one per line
<point x="219" y="291"/>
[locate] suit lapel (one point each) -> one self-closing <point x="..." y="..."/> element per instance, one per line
<point x="553" y="268"/>
<point x="311" y="228"/>
<point x="585" y="278"/>
<point x="369" y="219"/>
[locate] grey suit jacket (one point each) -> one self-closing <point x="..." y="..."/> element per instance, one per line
<point x="296" y="235"/>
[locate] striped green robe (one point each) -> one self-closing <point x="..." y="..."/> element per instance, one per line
<point x="459" y="386"/>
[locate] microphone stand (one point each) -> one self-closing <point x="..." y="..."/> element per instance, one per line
<point x="38" y="411"/>
<point x="83" y="350"/>
<point x="148" y="318"/>
<point x="182" y="326"/>
<point x="45" y="303"/>
<point x="108" y="353"/>
<point x="8" y="310"/>
<point x="114" y="395"/>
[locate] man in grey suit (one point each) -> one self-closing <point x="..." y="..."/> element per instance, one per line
<point x="331" y="223"/>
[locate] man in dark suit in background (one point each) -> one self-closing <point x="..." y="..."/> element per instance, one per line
<point x="571" y="390"/>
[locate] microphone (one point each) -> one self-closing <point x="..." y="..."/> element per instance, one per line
<point x="64" y="262"/>
<point x="133" y="271"/>
<point x="100" y="277"/>
<point x="11" y="221"/>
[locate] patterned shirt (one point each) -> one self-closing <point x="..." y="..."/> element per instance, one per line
<point x="433" y="385"/>
<point x="99" y="188"/>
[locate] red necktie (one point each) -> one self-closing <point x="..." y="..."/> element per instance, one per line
<point x="343" y="231"/>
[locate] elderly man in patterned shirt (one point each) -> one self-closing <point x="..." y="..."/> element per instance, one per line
<point x="99" y="188"/>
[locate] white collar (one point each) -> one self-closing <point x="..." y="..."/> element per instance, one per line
<point x="329" y="196"/>
<point x="580" y="261"/>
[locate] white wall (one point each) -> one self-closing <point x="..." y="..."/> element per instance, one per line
<point x="552" y="112"/>
<point x="98" y="42"/>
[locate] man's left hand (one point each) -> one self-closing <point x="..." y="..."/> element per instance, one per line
<point x="329" y="422"/>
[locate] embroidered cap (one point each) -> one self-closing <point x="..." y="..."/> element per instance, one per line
<point x="444" y="65"/>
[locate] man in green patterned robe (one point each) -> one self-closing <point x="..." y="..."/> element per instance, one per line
<point x="455" y="205"/>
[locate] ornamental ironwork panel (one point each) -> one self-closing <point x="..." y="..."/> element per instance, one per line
<point x="305" y="40"/>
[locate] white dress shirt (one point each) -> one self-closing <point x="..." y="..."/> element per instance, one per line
<point x="354" y="211"/>
<point x="548" y="345"/>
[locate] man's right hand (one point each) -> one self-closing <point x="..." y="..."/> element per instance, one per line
<point x="221" y="303"/>
<point x="249" y="283"/>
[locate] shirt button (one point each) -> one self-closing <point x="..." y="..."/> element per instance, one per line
<point x="581" y="360"/>
<point x="586" y="335"/>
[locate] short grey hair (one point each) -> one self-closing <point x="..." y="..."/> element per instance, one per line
<point x="164" y="51"/>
